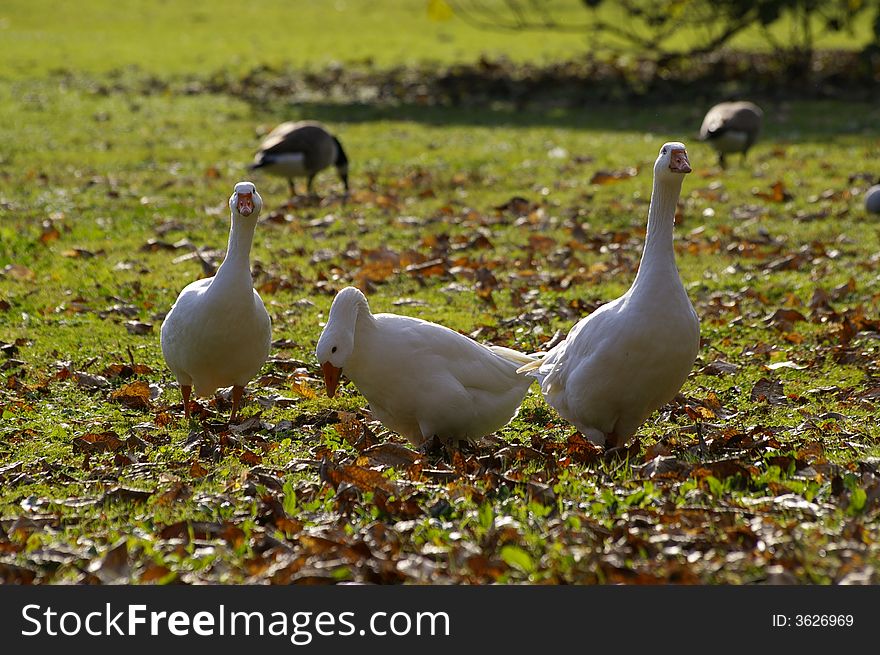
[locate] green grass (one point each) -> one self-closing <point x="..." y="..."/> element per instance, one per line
<point x="92" y="170"/>
<point x="170" y="38"/>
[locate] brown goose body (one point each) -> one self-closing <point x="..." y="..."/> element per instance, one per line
<point x="301" y="149"/>
<point x="731" y="127"/>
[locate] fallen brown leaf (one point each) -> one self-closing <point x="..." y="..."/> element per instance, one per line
<point x="363" y="478"/>
<point x="770" y="391"/>
<point x="777" y="193"/>
<point x="604" y="177"/>
<point x="113" y="566"/>
<point x="104" y="442"/>
<point x="134" y="396"/>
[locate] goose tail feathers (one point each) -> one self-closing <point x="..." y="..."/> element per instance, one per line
<point x="514" y="356"/>
<point x="534" y="365"/>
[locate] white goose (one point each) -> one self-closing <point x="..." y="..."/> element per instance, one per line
<point x="218" y="332"/>
<point x="421" y="379"/>
<point x="631" y="355"/>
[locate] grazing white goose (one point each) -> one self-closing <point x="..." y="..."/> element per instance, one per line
<point x="303" y="148"/>
<point x="731" y="127"/>
<point x="421" y="379"/>
<point x="631" y="355"/>
<point x="218" y="332"/>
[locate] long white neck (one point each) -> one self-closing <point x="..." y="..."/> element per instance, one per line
<point x="658" y="256"/>
<point x="236" y="266"/>
<point x="356" y="324"/>
<point x="359" y="315"/>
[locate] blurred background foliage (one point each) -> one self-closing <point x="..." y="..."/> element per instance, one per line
<point x="681" y="28"/>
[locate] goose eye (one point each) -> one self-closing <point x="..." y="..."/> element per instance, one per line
<point x="333" y="350"/>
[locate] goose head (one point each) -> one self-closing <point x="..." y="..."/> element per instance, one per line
<point x="336" y="343"/>
<point x="245" y="201"/>
<point x="672" y="162"/>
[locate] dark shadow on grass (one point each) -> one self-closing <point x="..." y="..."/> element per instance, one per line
<point x="497" y="114"/>
<point x="795" y="121"/>
<point x="835" y="94"/>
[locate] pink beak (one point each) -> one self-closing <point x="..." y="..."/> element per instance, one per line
<point x="331" y="377"/>
<point x="245" y="204"/>
<point x="679" y="161"/>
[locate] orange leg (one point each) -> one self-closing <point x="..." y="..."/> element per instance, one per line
<point x="186" y="392"/>
<point x="237" y="393"/>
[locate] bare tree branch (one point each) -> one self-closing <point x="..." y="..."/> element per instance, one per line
<point x="478" y="15"/>
<point x="649" y="25"/>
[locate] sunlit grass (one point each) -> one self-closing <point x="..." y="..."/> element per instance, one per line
<point x="209" y="35"/>
<point x="92" y="171"/>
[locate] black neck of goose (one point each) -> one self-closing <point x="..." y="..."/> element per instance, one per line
<point x="341" y="157"/>
<point x="341" y="163"/>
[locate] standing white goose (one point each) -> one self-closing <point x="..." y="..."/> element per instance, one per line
<point x="421" y="379"/>
<point x="631" y="355"/>
<point x="218" y="332"/>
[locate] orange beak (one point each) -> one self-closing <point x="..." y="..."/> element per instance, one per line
<point x="331" y="377"/>
<point x="679" y="161"/>
<point x="245" y="204"/>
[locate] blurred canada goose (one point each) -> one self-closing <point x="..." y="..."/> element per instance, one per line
<point x="731" y="127"/>
<point x="301" y="149"/>
<point x="630" y="356"/>
<point x="218" y="333"/>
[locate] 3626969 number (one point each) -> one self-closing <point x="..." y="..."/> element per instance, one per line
<point x="823" y="620"/>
